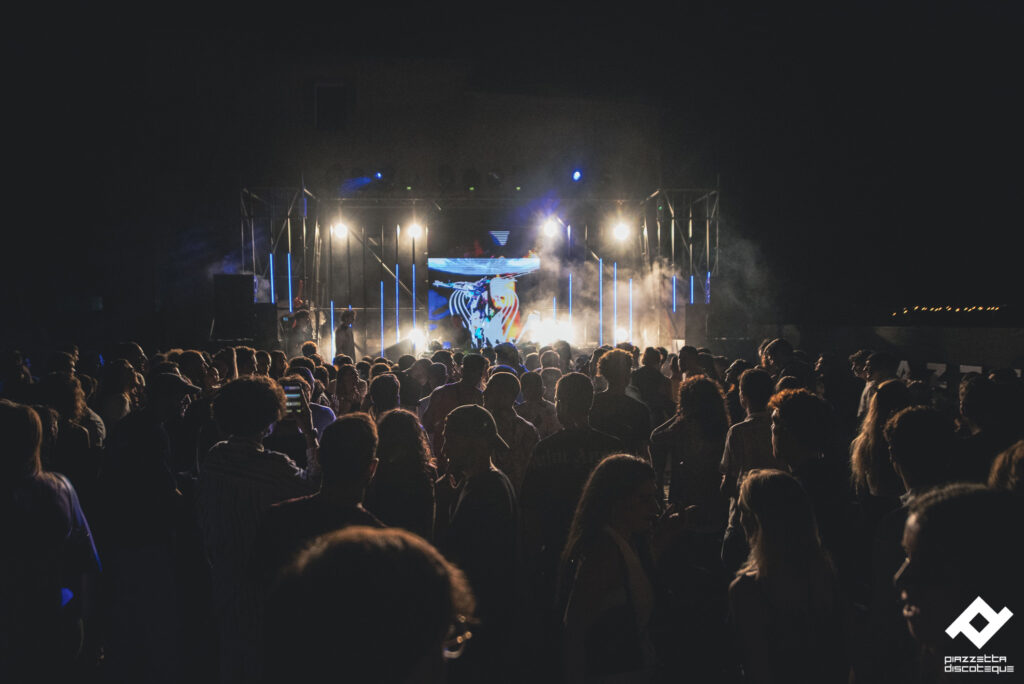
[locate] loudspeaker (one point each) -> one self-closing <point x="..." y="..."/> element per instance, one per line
<point x="266" y="328"/>
<point x="233" y="308"/>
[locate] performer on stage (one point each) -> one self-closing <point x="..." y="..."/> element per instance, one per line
<point x="345" y="335"/>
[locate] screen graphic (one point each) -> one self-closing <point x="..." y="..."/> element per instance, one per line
<point x="480" y="294"/>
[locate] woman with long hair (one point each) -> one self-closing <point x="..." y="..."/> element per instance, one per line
<point x="401" y="493"/>
<point x="48" y="553"/>
<point x="784" y="603"/>
<point x="871" y="470"/>
<point x="694" y="439"/>
<point x="605" y="590"/>
<point x="113" y="399"/>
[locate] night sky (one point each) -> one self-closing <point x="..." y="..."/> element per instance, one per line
<point x="869" y="156"/>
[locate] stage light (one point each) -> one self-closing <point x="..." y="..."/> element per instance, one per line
<point x="378" y="175"/>
<point x="621" y="335"/>
<point x="550" y="227"/>
<point x="621" y="232"/>
<point x="418" y="339"/>
<point x="415" y="231"/>
<point x="339" y="230"/>
<point x="577" y="175"/>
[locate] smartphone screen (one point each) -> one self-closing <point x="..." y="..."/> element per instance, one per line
<point x="292" y="397"/>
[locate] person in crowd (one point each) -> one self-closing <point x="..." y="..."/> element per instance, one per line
<point x="748" y="446"/>
<point x="278" y="363"/>
<point x="693" y="442"/>
<point x="689" y="363"/>
<point x="564" y="350"/>
<point x="532" y="362"/>
<point x="878" y="367"/>
<point x="551" y="489"/>
<point x="731" y="384"/>
<point x="617" y="413"/>
<point x="437" y="376"/>
<point x="348" y="461"/>
<point x="344" y="334"/>
<point x="857" y="361"/>
<point x="521" y="436"/>
<point x="239" y="481"/>
<point x="349" y="390"/>
<point x="73" y="454"/>
<point x="226" y="364"/>
<point x="957" y="552"/>
<point x="328" y="614"/>
<point x="1008" y="469"/>
<point x="785" y="604"/>
<point x="841" y="388"/>
<point x="921" y="445"/>
<point x="132" y="353"/>
<point x="506" y="354"/>
<point x="413" y="379"/>
<point x="654" y="387"/>
<point x="537" y="410"/>
<point x="384" y="394"/>
<point x="140" y="507"/>
<point x="263" y="362"/>
<point x="800" y="435"/>
<point x="113" y="397"/>
<point x="987" y="411"/>
<point x="481" y="535"/>
<point x="549" y="377"/>
<point x="444" y="399"/>
<point x="606" y="594"/>
<point x="402" y="492"/>
<point x="245" y="359"/>
<point x="871" y="469"/>
<point x="322" y="414"/>
<point x="50" y="564"/>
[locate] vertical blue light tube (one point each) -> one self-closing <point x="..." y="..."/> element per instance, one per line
<point x="554" y="308"/>
<point x="397" y="325"/>
<point x="691" y="288"/>
<point x="673" y="294"/>
<point x="382" y="318"/>
<point x="291" y="303"/>
<point x="600" y="302"/>
<point x="570" y="298"/>
<point x="334" y="341"/>
<point x="414" y="296"/>
<point x="273" y="295"/>
<point x="707" y="289"/>
<point x="615" y="302"/>
<point x="630" y="340"/>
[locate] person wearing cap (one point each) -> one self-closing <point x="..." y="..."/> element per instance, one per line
<point x="138" y="504"/>
<point x="454" y="394"/>
<point x="481" y="533"/>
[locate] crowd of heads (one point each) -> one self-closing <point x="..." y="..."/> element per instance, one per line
<point x="856" y="451"/>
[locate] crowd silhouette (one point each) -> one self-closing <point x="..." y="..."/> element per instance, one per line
<point x="534" y="514"/>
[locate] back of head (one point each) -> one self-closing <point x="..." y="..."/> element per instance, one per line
<point x="309" y="348"/>
<point x="376" y="605"/>
<point x="615" y="478"/>
<point x="23" y="435"/>
<point x="347" y="449"/>
<point x="248" y="406"/>
<point x="301" y="362"/>
<point x="502" y="390"/>
<point x="384" y="392"/>
<point x="615" y="366"/>
<point x="804" y="417"/>
<point x="64" y="393"/>
<point x="507" y="354"/>
<point x="965" y="535"/>
<point x="437" y="374"/>
<point x="756" y="388"/>
<point x="403" y="441"/>
<point x="921" y="441"/>
<point x="987" y="404"/>
<point x="778" y="518"/>
<point x="405" y="362"/>
<point x="651" y="357"/>
<point x="532" y="385"/>
<point x="883" y="363"/>
<point x="550" y="359"/>
<point x="701" y="400"/>
<point x="1008" y="469"/>
<point x="473" y="368"/>
<point x="574" y="395"/>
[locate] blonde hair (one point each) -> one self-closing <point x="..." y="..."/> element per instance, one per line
<point x="869" y="453"/>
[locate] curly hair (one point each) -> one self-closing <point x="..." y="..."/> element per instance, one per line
<point x="248" y="406"/>
<point x="702" y="401"/>
<point x="403" y="441"/>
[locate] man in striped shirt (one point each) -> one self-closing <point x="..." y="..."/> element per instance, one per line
<point x="239" y="481"/>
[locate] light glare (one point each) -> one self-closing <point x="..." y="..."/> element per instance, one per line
<point x="415" y="231"/>
<point x="621" y="231"/>
<point x="339" y="229"/>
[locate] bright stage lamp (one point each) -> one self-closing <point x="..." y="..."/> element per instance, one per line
<point x="415" y="231"/>
<point x="550" y="227"/>
<point x="621" y="232"/>
<point x="418" y="338"/>
<point x="622" y="335"/>
<point x="339" y="229"/>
